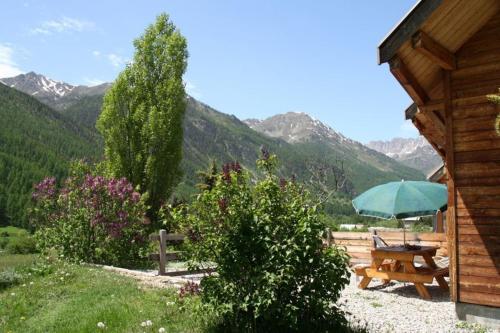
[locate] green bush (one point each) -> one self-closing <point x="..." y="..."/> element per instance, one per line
<point x="91" y="218"/>
<point x="273" y="272"/>
<point x="21" y="245"/>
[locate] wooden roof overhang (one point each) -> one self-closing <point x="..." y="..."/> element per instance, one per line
<point x="422" y="47"/>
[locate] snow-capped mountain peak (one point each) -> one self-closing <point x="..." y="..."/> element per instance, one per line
<point x="39" y="85"/>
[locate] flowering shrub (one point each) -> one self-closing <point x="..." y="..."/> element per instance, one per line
<point x="273" y="273"/>
<point x="90" y="218"/>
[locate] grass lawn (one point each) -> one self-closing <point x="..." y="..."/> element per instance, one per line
<point x="59" y="297"/>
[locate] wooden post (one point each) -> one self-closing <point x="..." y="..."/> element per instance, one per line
<point x="163" y="249"/>
<point x="374" y="233"/>
<point x="439" y="222"/>
<point x="328" y="237"/>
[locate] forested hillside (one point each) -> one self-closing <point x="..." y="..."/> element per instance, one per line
<point x="35" y="141"/>
<point x="39" y="140"/>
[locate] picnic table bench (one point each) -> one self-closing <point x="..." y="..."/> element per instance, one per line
<point x="397" y="263"/>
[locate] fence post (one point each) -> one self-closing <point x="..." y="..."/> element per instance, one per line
<point x="163" y="249"/>
<point x="328" y="237"/>
<point x="374" y="243"/>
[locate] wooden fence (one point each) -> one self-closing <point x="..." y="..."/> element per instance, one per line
<point x="359" y="244"/>
<point x="164" y="256"/>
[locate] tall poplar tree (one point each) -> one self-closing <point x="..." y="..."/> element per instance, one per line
<point x="142" y="115"/>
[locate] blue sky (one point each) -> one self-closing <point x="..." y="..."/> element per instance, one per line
<point x="252" y="59"/>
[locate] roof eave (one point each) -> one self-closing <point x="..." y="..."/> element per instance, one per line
<point x="405" y="28"/>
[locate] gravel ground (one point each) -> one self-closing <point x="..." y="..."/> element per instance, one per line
<point x="397" y="307"/>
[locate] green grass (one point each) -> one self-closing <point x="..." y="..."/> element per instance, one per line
<point x="71" y="298"/>
<point x="14" y="261"/>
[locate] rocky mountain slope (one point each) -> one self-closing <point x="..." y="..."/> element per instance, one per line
<point x="59" y="95"/>
<point x="415" y="153"/>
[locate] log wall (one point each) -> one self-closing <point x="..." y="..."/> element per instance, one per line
<point x="476" y="141"/>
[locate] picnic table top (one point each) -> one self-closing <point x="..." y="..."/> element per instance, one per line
<point x="403" y="249"/>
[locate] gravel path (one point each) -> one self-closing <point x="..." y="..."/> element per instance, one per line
<point x="397" y="307"/>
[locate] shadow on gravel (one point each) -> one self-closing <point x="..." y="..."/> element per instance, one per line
<point x="408" y="290"/>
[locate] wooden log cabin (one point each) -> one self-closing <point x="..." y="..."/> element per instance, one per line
<point x="446" y="55"/>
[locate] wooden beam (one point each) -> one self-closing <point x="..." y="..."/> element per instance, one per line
<point x="437" y="122"/>
<point x="435" y="105"/>
<point x="451" y="214"/>
<point x="434" y="51"/>
<point x="408" y="26"/>
<point x="408" y="81"/>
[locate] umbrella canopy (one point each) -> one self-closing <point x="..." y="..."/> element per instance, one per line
<point x="402" y="199"/>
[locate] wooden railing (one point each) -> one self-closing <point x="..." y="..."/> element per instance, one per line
<point x="359" y="244"/>
<point x="163" y="256"/>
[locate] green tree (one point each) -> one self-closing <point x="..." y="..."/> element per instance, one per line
<point x="142" y="115"/>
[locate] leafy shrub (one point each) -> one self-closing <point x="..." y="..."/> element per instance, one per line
<point x="21" y="245"/>
<point x="273" y="272"/>
<point x="91" y="218"/>
<point x="4" y="234"/>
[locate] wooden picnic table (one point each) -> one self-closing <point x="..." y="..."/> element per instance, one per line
<point x="398" y="263"/>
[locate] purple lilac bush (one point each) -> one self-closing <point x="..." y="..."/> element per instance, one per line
<point x="90" y="218"/>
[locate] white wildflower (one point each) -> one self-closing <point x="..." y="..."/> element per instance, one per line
<point x="24" y="284"/>
<point x="161" y="330"/>
<point x="101" y="325"/>
<point x="12" y="294"/>
<point x="149" y="323"/>
<point x="31" y="283"/>
<point x="143" y="324"/>
<point x="170" y="303"/>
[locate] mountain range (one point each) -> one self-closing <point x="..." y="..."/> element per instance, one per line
<point x="318" y="156"/>
<point x="416" y="153"/>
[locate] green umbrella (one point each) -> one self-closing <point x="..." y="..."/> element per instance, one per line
<point x="399" y="200"/>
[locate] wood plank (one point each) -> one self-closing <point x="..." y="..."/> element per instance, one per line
<point x="478" y="212"/>
<point x="412" y="236"/>
<point x="437" y="53"/>
<point x="490" y="144"/>
<point x="482" y="283"/>
<point x="476" y="136"/>
<point x="480" y="238"/>
<point x="478" y="221"/>
<point x="351" y="235"/>
<point x="479" y="229"/>
<point x="479" y="190"/>
<point x="476" y="111"/>
<point x="408" y="81"/>
<point x="487" y="123"/>
<point x="467" y="248"/>
<point x="479" y="261"/>
<point x="477" y="156"/>
<point x="450" y="171"/>
<point x="480" y="298"/>
<point x="174" y="238"/>
<point x="357" y="242"/>
<point x="407" y="277"/>
<point x="494" y="181"/>
<point x="480" y="271"/>
<point x="475" y="169"/>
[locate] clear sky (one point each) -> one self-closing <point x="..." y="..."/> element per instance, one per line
<point x="252" y="59"/>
